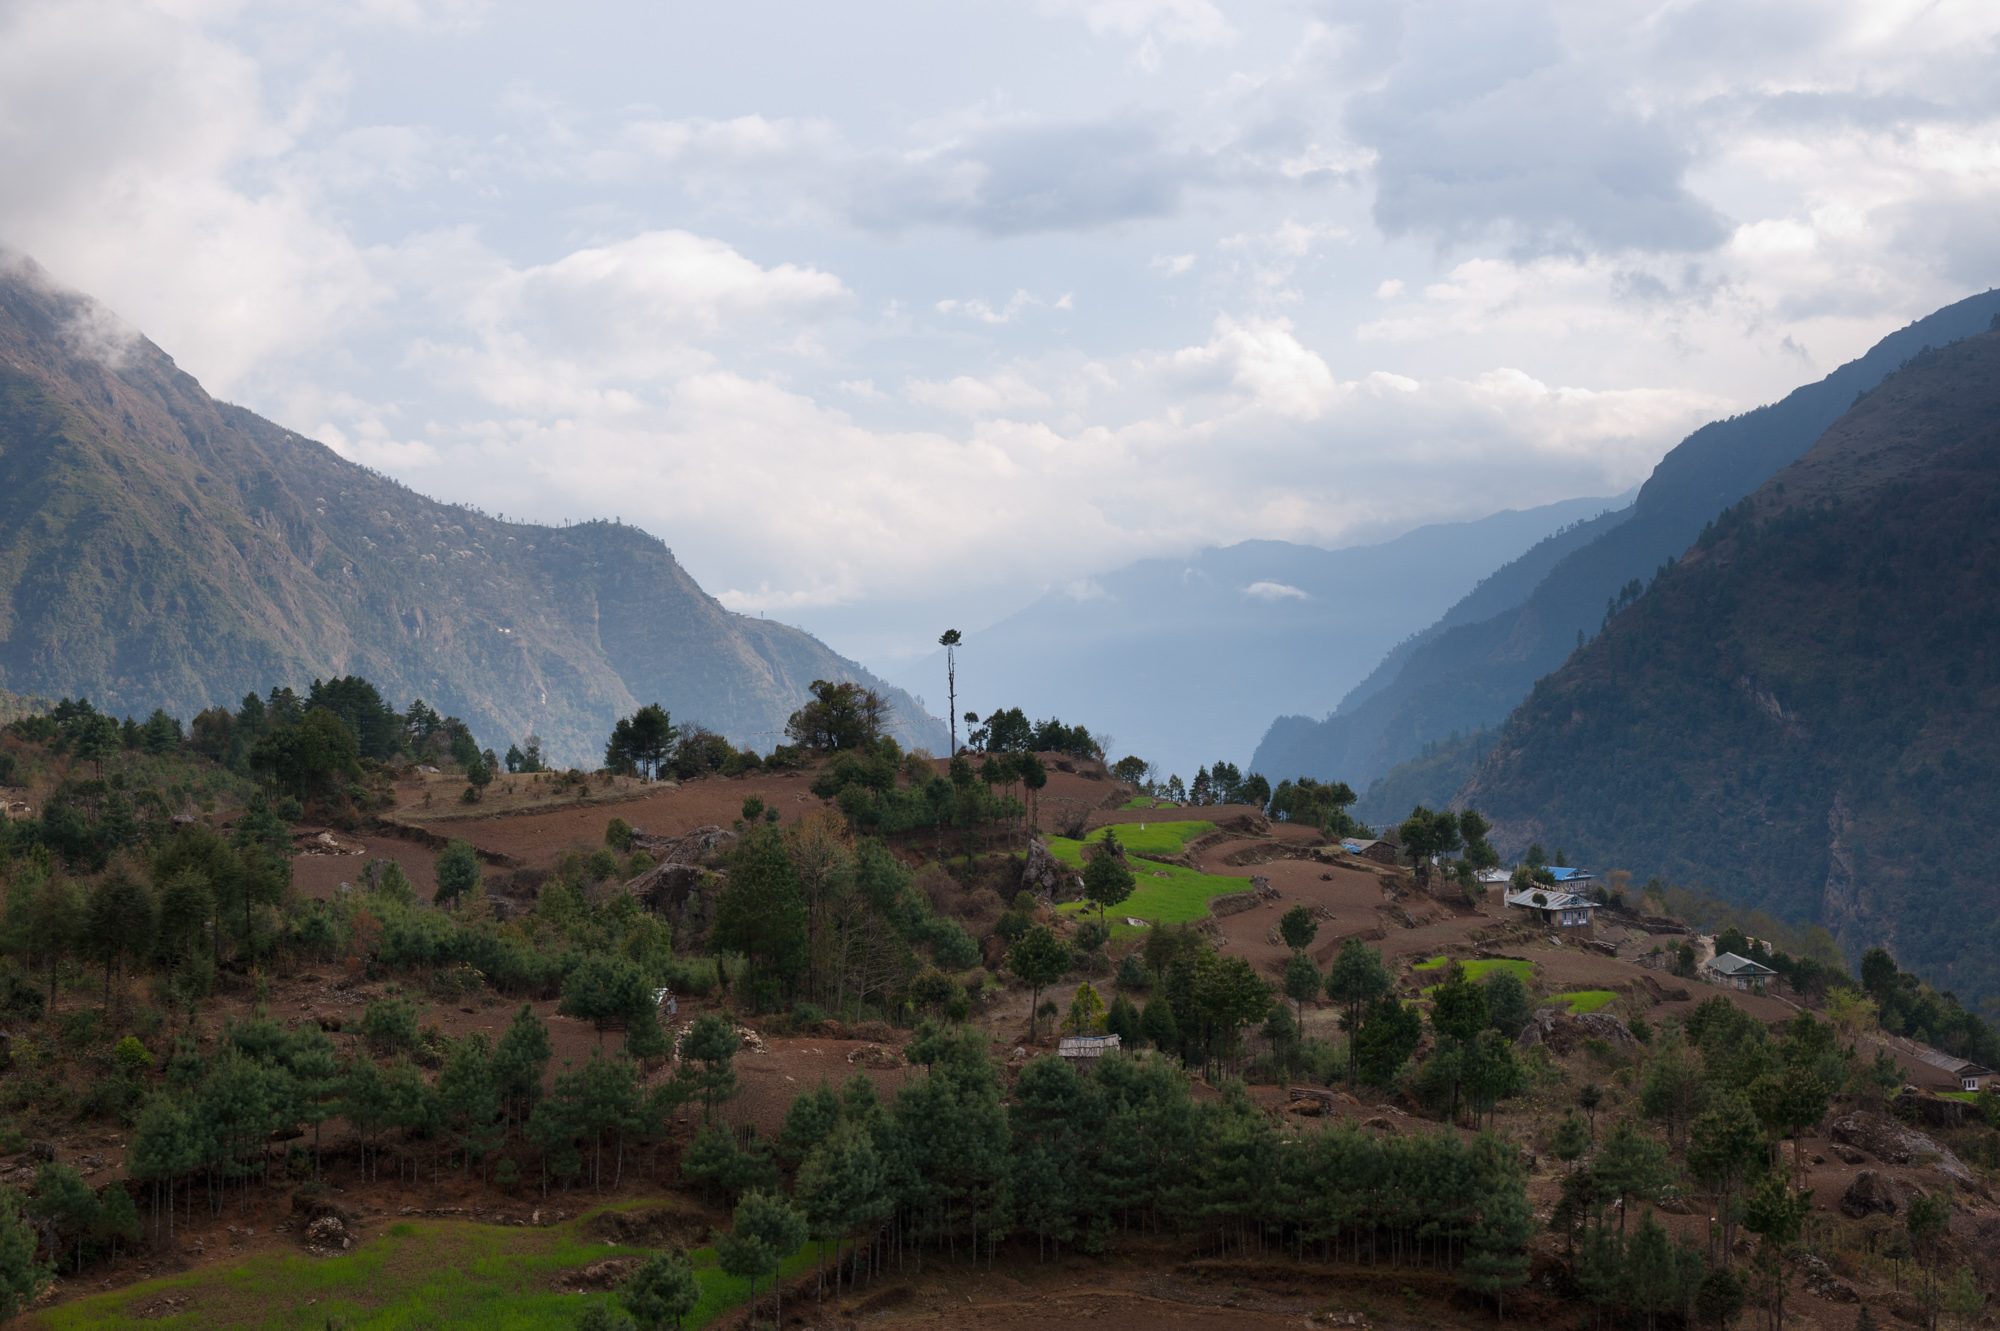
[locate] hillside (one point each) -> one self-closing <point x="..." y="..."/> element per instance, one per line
<point x="1468" y="675"/>
<point x="161" y="549"/>
<point x="1182" y="660"/>
<point x="1802" y="715"/>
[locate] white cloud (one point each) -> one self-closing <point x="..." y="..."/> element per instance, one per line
<point x="1275" y="591"/>
<point x="1190" y="22"/>
<point x="1014" y="306"/>
<point x="803" y="325"/>
<point x="971" y="395"/>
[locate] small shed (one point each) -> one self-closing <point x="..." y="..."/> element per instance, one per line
<point x="1382" y="852"/>
<point x="1568" y="911"/>
<point x="1087" y="1049"/>
<point x="1737" y="972"/>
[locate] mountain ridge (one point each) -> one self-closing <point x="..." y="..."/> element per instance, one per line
<point x="1471" y="676"/>
<point x="161" y="549"/>
<point x="1800" y="716"/>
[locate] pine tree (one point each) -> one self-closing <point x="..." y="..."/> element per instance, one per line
<point x="1038" y="958"/>
<point x="1496" y="1256"/>
<point x="1302" y="984"/>
<point x="842" y="1188"/>
<point x="65" y="1206"/>
<point x="712" y="1043"/>
<point x="1298" y="928"/>
<point x="1106" y="880"/>
<point x="1356" y="979"/>
<point x="457" y="873"/>
<point x="118" y="925"/>
<point x="519" y="1062"/>
<point x="662" y="1292"/>
<point x="766" y="1229"/>
<point x="22" y="1277"/>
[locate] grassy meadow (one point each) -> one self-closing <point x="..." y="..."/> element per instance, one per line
<point x="417" y="1273"/>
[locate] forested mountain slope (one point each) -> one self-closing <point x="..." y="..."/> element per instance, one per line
<point x="162" y="549"/>
<point x="1367" y="731"/>
<point x="1182" y="660"/>
<point x="1470" y="676"/>
<point x="1804" y="713"/>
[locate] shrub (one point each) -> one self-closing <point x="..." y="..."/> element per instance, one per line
<point x="618" y="835"/>
<point x="389" y="1025"/>
<point x="132" y="1058"/>
<point x="1133" y="975"/>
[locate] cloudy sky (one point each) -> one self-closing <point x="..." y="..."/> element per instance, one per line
<point x="888" y="315"/>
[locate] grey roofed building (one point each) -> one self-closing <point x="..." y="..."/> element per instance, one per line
<point x="1737" y="972"/>
<point x="1559" y="909"/>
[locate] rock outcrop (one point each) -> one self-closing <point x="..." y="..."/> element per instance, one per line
<point x="1894" y="1144"/>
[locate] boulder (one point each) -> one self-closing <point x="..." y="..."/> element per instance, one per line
<point x="1873" y="1194"/>
<point x="1822" y="1283"/>
<point x="1563" y="1033"/>
<point x="1894" y="1144"/>
<point x="327" y="1235"/>
<point x="1046" y="876"/>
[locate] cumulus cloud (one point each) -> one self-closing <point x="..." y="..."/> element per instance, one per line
<point x="1012" y="308"/>
<point x="143" y="158"/>
<point x="1486" y="127"/>
<point x="1452" y="255"/>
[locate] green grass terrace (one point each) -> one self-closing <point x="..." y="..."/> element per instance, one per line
<point x="1580" y="1001"/>
<point x="417" y="1273"/>
<point x="1163" y="893"/>
<point x="1477" y="968"/>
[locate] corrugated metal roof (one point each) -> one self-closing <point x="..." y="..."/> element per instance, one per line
<point x="1550" y="900"/>
<point x="1088" y="1046"/>
<point x="1728" y="963"/>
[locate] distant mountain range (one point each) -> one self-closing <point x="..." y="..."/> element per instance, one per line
<point x="1182" y="660"/>
<point x="1426" y="704"/>
<point x="1804" y="713"/>
<point x="162" y="549"/>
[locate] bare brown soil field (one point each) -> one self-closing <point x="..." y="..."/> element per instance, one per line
<point x="319" y="876"/>
<point x="538" y="838"/>
<point x="1144" y="1286"/>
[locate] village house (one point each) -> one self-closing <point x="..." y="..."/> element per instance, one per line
<point x="1567" y="911"/>
<point x="1737" y="972"/>
<point x="1382" y="852"/>
<point x="1935" y="1070"/>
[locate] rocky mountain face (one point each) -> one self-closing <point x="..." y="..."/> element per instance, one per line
<point x="161" y="549"/>
<point x="1470" y="670"/>
<point x="1803" y="714"/>
<point x="1182" y="660"/>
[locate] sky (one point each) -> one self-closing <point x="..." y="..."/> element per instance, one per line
<point x="890" y="316"/>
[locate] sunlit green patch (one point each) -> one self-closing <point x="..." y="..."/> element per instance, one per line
<point x="1580" y="1001"/>
<point x="1155" y="839"/>
<point x="419" y="1273"/>
<point x="1161" y="893"/>
<point x="1481" y="967"/>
